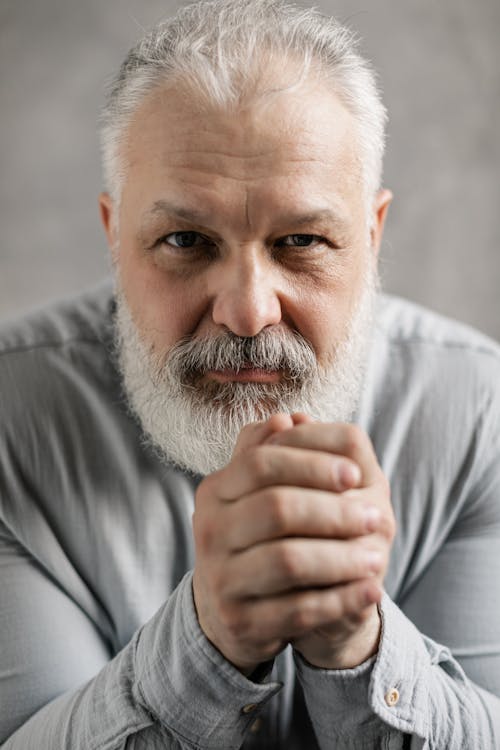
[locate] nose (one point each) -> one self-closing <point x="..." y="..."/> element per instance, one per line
<point x="245" y="297"/>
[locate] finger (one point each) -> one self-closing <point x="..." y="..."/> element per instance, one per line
<point x="280" y="566"/>
<point x="257" y="432"/>
<point x="291" y="511"/>
<point x="300" y="418"/>
<point x="269" y="465"/>
<point x="294" y="614"/>
<point x="347" y="440"/>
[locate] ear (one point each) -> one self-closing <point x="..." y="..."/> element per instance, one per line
<point x="380" y="207"/>
<point x="109" y="222"/>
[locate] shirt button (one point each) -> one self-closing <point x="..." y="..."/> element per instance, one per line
<point x="249" y="708"/>
<point x="391" y="697"/>
<point x="257" y="724"/>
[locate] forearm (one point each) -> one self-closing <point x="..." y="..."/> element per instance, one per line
<point x="412" y="687"/>
<point x="101" y="714"/>
<point x="168" y="688"/>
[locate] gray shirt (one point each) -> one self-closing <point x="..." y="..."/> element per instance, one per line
<point x="99" y="640"/>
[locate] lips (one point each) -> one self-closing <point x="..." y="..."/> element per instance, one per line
<point x="247" y="374"/>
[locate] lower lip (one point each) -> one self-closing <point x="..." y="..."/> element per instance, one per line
<point x="249" y="375"/>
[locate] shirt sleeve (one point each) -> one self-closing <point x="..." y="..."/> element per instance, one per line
<point x="418" y="693"/>
<point x="412" y="692"/>
<point x="168" y="688"/>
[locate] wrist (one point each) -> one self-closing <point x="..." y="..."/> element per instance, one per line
<point x="361" y="645"/>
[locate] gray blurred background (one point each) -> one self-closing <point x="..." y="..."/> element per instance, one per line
<point x="439" y="65"/>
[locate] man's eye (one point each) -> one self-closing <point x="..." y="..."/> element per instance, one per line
<point x="184" y="239"/>
<point x="299" y="240"/>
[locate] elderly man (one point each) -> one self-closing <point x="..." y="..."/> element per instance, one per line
<point x="338" y="584"/>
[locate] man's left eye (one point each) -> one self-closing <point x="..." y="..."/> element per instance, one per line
<point x="299" y="240"/>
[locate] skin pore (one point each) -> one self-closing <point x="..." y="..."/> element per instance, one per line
<point x="239" y="222"/>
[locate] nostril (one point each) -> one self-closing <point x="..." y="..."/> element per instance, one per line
<point x="245" y="317"/>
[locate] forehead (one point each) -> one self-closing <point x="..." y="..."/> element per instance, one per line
<point x="280" y="145"/>
<point x="308" y="123"/>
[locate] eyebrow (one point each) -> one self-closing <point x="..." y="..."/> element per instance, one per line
<point x="322" y="214"/>
<point x="170" y="209"/>
<point x="202" y="218"/>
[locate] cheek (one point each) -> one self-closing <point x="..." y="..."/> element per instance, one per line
<point x="162" y="308"/>
<point x="321" y="320"/>
<point x="323" y="313"/>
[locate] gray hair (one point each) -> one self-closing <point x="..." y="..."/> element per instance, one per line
<point x="222" y="47"/>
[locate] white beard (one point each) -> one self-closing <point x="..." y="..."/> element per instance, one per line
<point x="195" y="425"/>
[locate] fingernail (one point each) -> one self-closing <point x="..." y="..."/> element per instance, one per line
<point x="373" y="594"/>
<point x="373" y="560"/>
<point x="371" y="516"/>
<point x="349" y="475"/>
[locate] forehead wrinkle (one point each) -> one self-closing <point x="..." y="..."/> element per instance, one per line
<point x="237" y="154"/>
<point x="335" y="216"/>
<point x="326" y="215"/>
<point x="193" y="216"/>
<point x="247" y="210"/>
<point x="241" y="170"/>
<point x="164" y="208"/>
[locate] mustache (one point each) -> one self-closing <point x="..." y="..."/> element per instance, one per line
<point x="287" y="351"/>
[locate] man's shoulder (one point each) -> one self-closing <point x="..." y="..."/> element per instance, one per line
<point x="429" y="366"/>
<point x="408" y="325"/>
<point x="431" y="392"/>
<point x="429" y="352"/>
<point x="54" y="364"/>
<point x="83" y="318"/>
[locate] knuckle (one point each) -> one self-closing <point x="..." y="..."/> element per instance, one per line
<point x="258" y="462"/>
<point x="289" y="562"/>
<point x="355" y="439"/>
<point x="246" y="434"/>
<point x="208" y="489"/>
<point x="205" y="534"/>
<point x="390" y="527"/>
<point x="301" y="619"/>
<point x="278" y="511"/>
<point x="203" y="491"/>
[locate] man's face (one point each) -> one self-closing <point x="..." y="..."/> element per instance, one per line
<point x="246" y="223"/>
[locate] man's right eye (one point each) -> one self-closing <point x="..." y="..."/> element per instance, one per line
<point x="184" y="239"/>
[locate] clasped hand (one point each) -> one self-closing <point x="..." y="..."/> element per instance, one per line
<point x="292" y="544"/>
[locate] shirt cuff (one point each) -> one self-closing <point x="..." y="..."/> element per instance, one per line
<point x="398" y="691"/>
<point x="187" y="685"/>
<point x="377" y="700"/>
